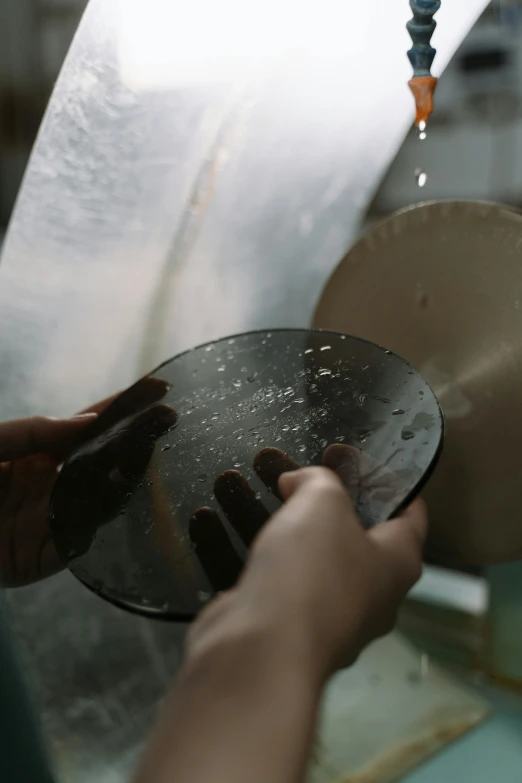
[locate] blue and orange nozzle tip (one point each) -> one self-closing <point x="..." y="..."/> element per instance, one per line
<point x="421" y="28"/>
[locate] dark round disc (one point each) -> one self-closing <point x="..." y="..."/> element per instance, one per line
<point x="156" y="512"/>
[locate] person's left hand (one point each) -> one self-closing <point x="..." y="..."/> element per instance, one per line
<point x="31" y="452"/>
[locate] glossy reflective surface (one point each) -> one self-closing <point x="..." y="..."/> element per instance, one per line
<point x="135" y="510"/>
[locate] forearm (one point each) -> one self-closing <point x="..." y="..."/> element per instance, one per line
<point x="242" y="711"/>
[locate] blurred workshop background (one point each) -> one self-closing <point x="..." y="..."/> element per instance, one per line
<point x="475" y="134"/>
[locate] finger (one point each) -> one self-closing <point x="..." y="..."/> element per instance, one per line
<point x="314" y="481"/>
<point x="136" y="444"/>
<point x="214" y="549"/>
<point x="98" y="484"/>
<point x="114" y="409"/>
<point x="354" y="466"/>
<point x="39" y="434"/>
<point x="244" y="511"/>
<point x="373" y="487"/>
<point x="412" y="522"/>
<point x="88" y="499"/>
<point x="401" y="541"/>
<point x="345" y="462"/>
<point x="269" y="464"/>
<point x="100" y="406"/>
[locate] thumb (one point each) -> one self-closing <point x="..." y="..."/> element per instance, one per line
<point x="40" y="434"/>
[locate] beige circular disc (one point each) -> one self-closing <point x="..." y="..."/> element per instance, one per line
<point x="441" y="285"/>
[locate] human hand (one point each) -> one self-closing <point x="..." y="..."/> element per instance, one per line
<point x="316" y="577"/>
<point x="31" y="451"/>
<point x="316" y="589"/>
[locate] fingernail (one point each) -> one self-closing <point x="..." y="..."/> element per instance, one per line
<point x="84" y="416"/>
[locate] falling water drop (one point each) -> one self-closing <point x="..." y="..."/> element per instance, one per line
<point x="421" y="177"/>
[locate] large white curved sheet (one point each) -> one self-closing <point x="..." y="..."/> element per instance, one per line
<point x="201" y="168"/>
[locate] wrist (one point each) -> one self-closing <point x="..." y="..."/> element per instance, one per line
<point x="245" y="686"/>
<point x="258" y="643"/>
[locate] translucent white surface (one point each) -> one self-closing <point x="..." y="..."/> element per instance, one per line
<point x="200" y="170"/>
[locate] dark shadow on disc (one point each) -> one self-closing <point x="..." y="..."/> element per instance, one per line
<point x="157" y="510"/>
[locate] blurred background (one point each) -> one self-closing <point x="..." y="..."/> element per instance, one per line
<point x="474" y="138"/>
<point x="473" y="149"/>
<point x="34" y="38"/>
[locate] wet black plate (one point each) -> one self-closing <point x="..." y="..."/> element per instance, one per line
<point x="134" y="510"/>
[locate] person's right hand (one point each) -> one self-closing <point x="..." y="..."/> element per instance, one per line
<point x="315" y="575"/>
<point x="316" y="589"/>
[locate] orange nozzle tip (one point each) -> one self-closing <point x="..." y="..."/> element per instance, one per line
<point x="423" y="88"/>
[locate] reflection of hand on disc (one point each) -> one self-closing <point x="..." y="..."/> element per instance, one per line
<point x="244" y="511"/>
<point x="114" y="465"/>
<point x="375" y="490"/>
<point x="362" y="476"/>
